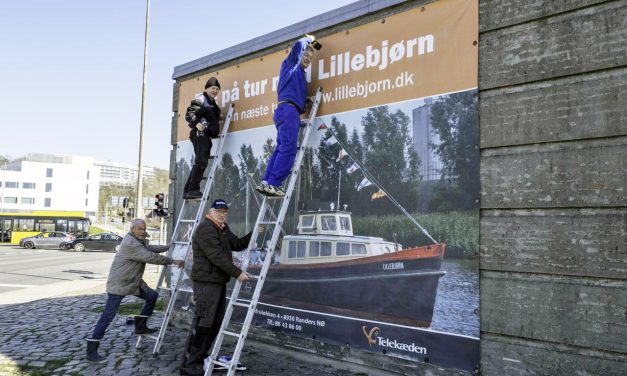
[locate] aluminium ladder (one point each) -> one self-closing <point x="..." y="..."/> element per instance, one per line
<point x="183" y="240"/>
<point x="267" y="218"/>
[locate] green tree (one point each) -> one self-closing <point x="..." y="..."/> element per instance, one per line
<point x="390" y="156"/>
<point x="249" y="165"/>
<point x="268" y="149"/>
<point x="454" y="120"/>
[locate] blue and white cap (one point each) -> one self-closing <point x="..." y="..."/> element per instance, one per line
<point x="219" y="204"/>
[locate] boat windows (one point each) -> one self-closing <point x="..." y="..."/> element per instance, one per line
<point x="342" y="249"/>
<point x="345" y="224"/>
<point x="325" y="249"/>
<point x="307" y="222"/>
<point x="328" y="223"/>
<point x="297" y="249"/>
<point x="319" y="249"/>
<point x="314" y="249"/>
<point x="302" y="245"/>
<point x="358" y="249"/>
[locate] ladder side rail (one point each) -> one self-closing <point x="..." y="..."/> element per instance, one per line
<point x="267" y="261"/>
<point x="217" y="345"/>
<point x="208" y="184"/>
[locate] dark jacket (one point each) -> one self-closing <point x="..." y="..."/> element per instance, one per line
<point x="203" y="109"/>
<point x="212" y="247"/>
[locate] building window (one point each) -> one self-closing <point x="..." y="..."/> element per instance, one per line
<point x="10" y="200"/>
<point x="11" y="184"/>
<point x="48" y="187"/>
<point x="87" y="174"/>
<point x="86" y="201"/>
<point x="27" y="200"/>
<point x="87" y="189"/>
<point x="47" y="202"/>
<point x="48" y="172"/>
<point x="28" y="185"/>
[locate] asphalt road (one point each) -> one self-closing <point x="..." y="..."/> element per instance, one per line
<point x="46" y="272"/>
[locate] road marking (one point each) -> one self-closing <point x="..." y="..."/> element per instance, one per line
<point x="9" y="285"/>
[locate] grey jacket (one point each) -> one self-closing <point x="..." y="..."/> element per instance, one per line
<point x="127" y="269"/>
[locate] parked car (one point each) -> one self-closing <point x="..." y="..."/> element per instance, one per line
<point x="51" y="239"/>
<point x="99" y="242"/>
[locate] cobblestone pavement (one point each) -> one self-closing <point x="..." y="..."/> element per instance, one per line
<point x="47" y="337"/>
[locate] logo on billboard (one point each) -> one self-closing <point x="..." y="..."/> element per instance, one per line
<point x="371" y="335"/>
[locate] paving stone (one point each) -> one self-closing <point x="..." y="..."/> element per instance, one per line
<point x="51" y="334"/>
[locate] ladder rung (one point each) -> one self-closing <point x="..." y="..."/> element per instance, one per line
<point x="187" y="220"/>
<point x="164" y="288"/>
<point x="148" y="336"/>
<point x="217" y="362"/>
<point x="267" y="222"/>
<point x="232" y="334"/>
<point x="245" y="305"/>
<point x="179" y="242"/>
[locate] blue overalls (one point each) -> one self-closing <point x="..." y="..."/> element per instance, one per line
<point x="292" y="94"/>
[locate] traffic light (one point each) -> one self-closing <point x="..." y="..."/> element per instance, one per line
<point x="159" y="210"/>
<point x="125" y="202"/>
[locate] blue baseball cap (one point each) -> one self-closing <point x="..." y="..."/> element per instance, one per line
<point x="219" y="204"/>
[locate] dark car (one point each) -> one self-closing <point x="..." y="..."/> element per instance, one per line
<point x="100" y="242"/>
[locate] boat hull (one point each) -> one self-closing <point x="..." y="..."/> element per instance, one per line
<point x="399" y="287"/>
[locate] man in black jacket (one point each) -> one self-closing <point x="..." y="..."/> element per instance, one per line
<point x="213" y="267"/>
<point x="203" y="117"/>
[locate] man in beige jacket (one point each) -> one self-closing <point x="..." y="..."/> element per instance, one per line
<point x="125" y="278"/>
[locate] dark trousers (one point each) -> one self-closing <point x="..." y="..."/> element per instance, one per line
<point x="202" y="151"/>
<point x="287" y="121"/>
<point x="112" y="305"/>
<point x="210" y="310"/>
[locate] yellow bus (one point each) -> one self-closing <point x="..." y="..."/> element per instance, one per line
<point x="15" y="226"/>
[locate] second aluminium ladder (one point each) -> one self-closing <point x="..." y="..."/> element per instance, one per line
<point x="267" y="218"/>
<point x="182" y="237"/>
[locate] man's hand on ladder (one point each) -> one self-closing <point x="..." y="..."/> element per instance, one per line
<point x="244" y="277"/>
<point x="179" y="263"/>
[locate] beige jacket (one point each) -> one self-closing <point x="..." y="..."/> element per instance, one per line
<point x="127" y="269"/>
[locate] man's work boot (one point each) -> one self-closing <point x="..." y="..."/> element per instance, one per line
<point x="193" y="370"/>
<point x="92" y="351"/>
<point x="140" y="325"/>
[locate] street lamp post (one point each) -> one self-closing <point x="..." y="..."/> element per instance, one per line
<point x="138" y="202"/>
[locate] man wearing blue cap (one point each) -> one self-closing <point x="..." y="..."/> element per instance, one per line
<point x="213" y="267"/>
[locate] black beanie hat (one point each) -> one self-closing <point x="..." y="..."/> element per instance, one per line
<point x="212" y="81"/>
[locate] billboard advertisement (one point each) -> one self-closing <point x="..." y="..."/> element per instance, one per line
<point x="379" y="249"/>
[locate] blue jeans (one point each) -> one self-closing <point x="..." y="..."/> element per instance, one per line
<point x="287" y="121"/>
<point x="112" y="305"/>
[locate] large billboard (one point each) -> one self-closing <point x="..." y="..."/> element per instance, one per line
<point x="380" y="246"/>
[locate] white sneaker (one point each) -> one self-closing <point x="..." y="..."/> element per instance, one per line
<point x="224" y="359"/>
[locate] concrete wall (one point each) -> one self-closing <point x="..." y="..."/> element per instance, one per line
<point x="553" y="118"/>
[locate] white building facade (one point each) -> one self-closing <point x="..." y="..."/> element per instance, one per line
<point x="121" y="174"/>
<point x="50" y="182"/>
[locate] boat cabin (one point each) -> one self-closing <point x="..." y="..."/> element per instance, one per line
<point x="327" y="236"/>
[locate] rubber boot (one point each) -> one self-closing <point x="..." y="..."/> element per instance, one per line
<point x="140" y="325"/>
<point x="92" y="351"/>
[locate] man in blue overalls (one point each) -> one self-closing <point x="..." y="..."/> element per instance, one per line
<point x="292" y="96"/>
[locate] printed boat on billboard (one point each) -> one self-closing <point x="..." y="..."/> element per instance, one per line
<point x="326" y="268"/>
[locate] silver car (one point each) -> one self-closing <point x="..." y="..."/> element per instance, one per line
<point x="51" y="239"/>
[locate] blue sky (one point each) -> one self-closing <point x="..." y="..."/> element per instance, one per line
<point x="71" y="71"/>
